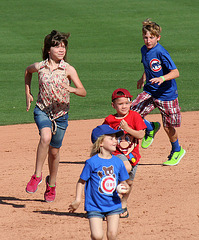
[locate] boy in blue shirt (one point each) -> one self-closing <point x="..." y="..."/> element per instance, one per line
<point x="159" y="90"/>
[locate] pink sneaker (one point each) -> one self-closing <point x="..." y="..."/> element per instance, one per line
<point x="33" y="184"/>
<point x="50" y="192"/>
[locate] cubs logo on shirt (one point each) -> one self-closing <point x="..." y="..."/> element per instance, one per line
<point x="107" y="183"/>
<point x="155" y="65"/>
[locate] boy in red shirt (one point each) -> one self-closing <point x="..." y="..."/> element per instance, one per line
<point x="128" y="145"/>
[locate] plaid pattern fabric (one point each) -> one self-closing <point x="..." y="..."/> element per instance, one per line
<point x="170" y="110"/>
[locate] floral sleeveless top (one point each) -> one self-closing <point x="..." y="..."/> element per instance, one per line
<point x="53" y="99"/>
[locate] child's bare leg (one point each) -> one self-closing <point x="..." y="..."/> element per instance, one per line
<point x="53" y="163"/>
<point x="129" y="182"/>
<point x="112" y="226"/>
<point x="96" y="228"/>
<point x="177" y="152"/>
<point x="42" y="149"/>
<point x="126" y="195"/>
<point x="172" y="133"/>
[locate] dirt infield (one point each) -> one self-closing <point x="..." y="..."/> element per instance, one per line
<point x="164" y="203"/>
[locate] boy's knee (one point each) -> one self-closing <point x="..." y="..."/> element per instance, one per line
<point x="170" y="130"/>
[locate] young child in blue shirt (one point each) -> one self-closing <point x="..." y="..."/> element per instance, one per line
<point x="159" y="90"/>
<point x="102" y="173"/>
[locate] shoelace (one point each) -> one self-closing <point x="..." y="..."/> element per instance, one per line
<point x="170" y="155"/>
<point x="51" y="191"/>
<point x="147" y="134"/>
<point x="34" y="178"/>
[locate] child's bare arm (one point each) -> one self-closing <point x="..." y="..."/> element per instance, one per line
<point x="140" y="82"/>
<point x="171" y="75"/>
<point x="28" y="77"/>
<point x="136" y="134"/>
<point x="79" y="190"/>
<point x="73" y="76"/>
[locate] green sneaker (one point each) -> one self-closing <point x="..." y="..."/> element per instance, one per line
<point x="149" y="136"/>
<point x="175" y="157"/>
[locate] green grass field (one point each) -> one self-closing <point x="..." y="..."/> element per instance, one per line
<point x="104" y="47"/>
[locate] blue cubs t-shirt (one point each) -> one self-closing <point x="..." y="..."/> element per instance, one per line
<point x="157" y="62"/>
<point x="102" y="176"/>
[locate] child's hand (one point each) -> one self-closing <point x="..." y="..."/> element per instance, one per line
<point x="124" y="125"/>
<point x="73" y="206"/>
<point x="125" y="186"/>
<point x="29" y="99"/>
<point x="68" y="88"/>
<point x="158" y="80"/>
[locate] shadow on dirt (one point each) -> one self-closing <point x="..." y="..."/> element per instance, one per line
<point x="80" y="215"/>
<point x="81" y="162"/>
<point x="150" y="164"/>
<point x="140" y="164"/>
<point x="6" y="201"/>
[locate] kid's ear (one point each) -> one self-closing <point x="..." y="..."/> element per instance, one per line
<point x="158" y="39"/>
<point x="112" y="104"/>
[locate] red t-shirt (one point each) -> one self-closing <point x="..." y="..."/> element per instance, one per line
<point x="127" y="144"/>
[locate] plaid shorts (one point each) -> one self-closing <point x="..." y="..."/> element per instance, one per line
<point x="170" y="110"/>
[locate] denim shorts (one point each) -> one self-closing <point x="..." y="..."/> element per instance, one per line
<point x="42" y="120"/>
<point x="133" y="169"/>
<point x="92" y="214"/>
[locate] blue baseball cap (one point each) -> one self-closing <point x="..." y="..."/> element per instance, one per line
<point x="104" y="130"/>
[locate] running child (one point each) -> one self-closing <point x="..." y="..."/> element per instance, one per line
<point x="101" y="173"/>
<point x="159" y="90"/>
<point x="51" y="111"/>
<point x="128" y="145"/>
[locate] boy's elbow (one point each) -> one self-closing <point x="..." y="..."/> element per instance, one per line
<point x="177" y="74"/>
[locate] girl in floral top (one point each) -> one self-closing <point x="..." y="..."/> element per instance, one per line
<point x="53" y="102"/>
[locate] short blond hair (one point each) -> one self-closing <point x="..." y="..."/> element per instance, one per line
<point x="152" y="27"/>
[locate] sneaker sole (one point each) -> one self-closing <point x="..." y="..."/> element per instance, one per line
<point x="49" y="201"/>
<point x="165" y="164"/>
<point x="36" y="189"/>
<point x="148" y="145"/>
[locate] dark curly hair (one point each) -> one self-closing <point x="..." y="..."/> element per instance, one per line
<point x="54" y="39"/>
